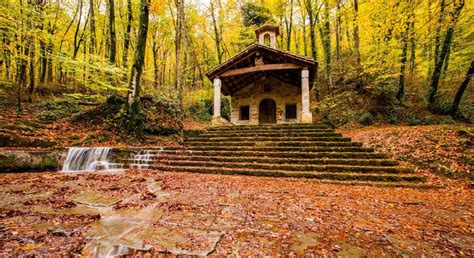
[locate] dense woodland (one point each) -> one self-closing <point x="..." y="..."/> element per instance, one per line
<point x="414" y="55"/>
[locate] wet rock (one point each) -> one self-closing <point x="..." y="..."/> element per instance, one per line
<point x="305" y="241"/>
<point x="95" y="199"/>
<point x="120" y="250"/>
<point x="59" y="232"/>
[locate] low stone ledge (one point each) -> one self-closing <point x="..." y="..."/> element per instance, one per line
<point x="30" y="160"/>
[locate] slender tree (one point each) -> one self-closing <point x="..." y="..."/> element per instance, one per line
<point x="217" y="35"/>
<point x="42" y="43"/>
<point x="155" y="48"/>
<point x="92" y="36"/>
<point x="462" y="89"/>
<point x="312" y="16"/>
<point x="180" y="37"/>
<point x="112" y="38"/>
<point x="326" y="37"/>
<point x="303" y="25"/>
<point x="337" y="29"/>
<point x="357" y="44"/>
<point x="126" y="36"/>
<point x="444" y="50"/>
<point x="32" y="52"/>
<point x="403" y="62"/>
<point x="289" y="26"/>
<point x="136" y="123"/>
<point x="438" y="30"/>
<point x="412" y="47"/>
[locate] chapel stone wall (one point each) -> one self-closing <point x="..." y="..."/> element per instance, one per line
<point x="251" y="95"/>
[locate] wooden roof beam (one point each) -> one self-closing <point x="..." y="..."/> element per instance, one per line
<point x="261" y="68"/>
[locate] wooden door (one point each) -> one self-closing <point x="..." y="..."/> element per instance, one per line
<point x="267" y="112"/>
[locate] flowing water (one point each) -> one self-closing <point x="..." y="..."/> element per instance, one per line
<point x="81" y="159"/>
<point x="143" y="158"/>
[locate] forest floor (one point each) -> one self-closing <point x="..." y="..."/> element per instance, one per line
<point x="446" y="150"/>
<point x="181" y="213"/>
<point x="98" y="213"/>
<point x="40" y="128"/>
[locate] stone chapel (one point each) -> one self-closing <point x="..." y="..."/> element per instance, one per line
<point x="266" y="85"/>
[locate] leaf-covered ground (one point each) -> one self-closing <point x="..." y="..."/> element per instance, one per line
<point x="232" y="215"/>
<point x="446" y="150"/>
<point x="39" y="127"/>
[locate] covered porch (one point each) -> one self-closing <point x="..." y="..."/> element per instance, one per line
<point x="261" y="65"/>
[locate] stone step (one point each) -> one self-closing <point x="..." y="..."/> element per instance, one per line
<point x="415" y="185"/>
<point x="268" y="139"/>
<point x="270" y="143"/>
<point x="302" y="130"/>
<point x="272" y="134"/>
<point x="278" y="160"/>
<point x="279" y="154"/>
<point x="275" y="148"/>
<point x="275" y="127"/>
<point x="288" y="167"/>
<point x="280" y="173"/>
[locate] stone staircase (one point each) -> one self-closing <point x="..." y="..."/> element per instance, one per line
<point x="315" y="152"/>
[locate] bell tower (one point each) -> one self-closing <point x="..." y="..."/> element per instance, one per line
<point x="266" y="35"/>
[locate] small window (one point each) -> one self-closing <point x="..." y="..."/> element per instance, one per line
<point x="290" y="111"/>
<point x="266" y="39"/>
<point x="267" y="88"/>
<point x="244" y="113"/>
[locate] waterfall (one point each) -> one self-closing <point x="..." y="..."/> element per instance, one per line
<point x="143" y="158"/>
<point x="88" y="159"/>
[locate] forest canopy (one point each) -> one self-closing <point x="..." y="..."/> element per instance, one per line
<point x="418" y="52"/>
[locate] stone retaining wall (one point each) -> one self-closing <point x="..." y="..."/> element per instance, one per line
<point x="30" y="160"/>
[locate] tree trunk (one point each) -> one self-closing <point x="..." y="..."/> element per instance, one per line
<point x="438" y="30"/>
<point x="312" y="25"/>
<point x="446" y="63"/>
<point x="22" y="52"/>
<point x="77" y="42"/>
<point x="443" y="53"/>
<point x="413" y="48"/>
<point x="31" y="62"/>
<point x="43" y="61"/>
<point x="327" y="44"/>
<point x="31" y="72"/>
<point x="112" y="38"/>
<point x="462" y="88"/>
<point x="312" y="36"/>
<point x="6" y="55"/>
<point x="403" y="62"/>
<point x="303" y="24"/>
<point x="217" y="36"/>
<point x="338" y="30"/>
<point x="289" y="27"/>
<point x="136" y="123"/>
<point x="92" y="28"/>
<point x="356" y="44"/>
<point x="126" y="38"/>
<point x="156" y="67"/>
<point x="49" y="72"/>
<point x="297" y="40"/>
<point x="178" y="70"/>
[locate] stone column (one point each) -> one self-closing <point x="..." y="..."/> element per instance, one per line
<point x="217" y="101"/>
<point x="306" y="115"/>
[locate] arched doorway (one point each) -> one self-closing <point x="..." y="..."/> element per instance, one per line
<point x="267" y="112"/>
